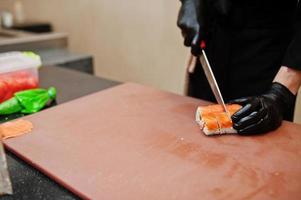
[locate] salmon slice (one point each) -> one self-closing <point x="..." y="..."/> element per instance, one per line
<point x="15" y="128"/>
<point x="233" y="108"/>
<point x="210" y="124"/>
<point x="223" y="120"/>
<point x="213" y="120"/>
<point x="211" y="109"/>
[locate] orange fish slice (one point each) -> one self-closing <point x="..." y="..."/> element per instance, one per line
<point x="212" y="109"/>
<point x="15" y="128"/>
<point x="233" y="108"/>
<point x="210" y="124"/>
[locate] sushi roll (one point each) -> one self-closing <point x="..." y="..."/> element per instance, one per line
<point x="214" y="121"/>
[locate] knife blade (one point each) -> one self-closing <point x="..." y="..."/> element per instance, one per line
<point x="5" y="183"/>
<point x="212" y="81"/>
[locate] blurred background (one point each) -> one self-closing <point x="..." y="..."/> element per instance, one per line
<point x="133" y="40"/>
<point x="136" y="41"/>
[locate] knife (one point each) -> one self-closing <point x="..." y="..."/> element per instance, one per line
<point x="5" y="183"/>
<point x="211" y="78"/>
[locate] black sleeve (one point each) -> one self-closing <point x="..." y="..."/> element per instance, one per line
<point x="292" y="56"/>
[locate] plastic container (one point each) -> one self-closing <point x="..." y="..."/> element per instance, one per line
<point x="18" y="72"/>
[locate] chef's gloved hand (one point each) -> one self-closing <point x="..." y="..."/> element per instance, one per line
<point x="261" y="114"/>
<point x="192" y="23"/>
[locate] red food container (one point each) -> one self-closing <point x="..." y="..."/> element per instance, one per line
<point x="18" y="71"/>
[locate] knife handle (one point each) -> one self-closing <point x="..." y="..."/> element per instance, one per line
<point x="195" y="49"/>
<point x="203" y="45"/>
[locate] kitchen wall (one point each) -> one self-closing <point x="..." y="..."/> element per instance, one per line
<point x="6" y="5"/>
<point x="133" y="40"/>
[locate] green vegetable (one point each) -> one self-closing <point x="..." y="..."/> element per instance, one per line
<point x="10" y="106"/>
<point x="28" y="101"/>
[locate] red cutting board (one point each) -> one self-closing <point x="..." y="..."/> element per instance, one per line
<point x="135" y="142"/>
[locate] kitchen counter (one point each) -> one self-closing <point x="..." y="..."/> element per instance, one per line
<point x="64" y="58"/>
<point x="57" y="56"/>
<point x="11" y="40"/>
<point x="6" y="35"/>
<point x="52" y="47"/>
<point x="29" y="183"/>
<point x="10" y="37"/>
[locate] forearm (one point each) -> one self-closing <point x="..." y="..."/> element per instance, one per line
<point x="291" y="78"/>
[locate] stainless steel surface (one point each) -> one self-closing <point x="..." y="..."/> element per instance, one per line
<point x="6" y="34"/>
<point x="17" y="37"/>
<point x="33" y="42"/>
<point x="212" y="81"/>
<point x="5" y="184"/>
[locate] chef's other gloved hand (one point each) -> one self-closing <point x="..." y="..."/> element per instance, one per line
<point x="191" y="21"/>
<point x="261" y="114"/>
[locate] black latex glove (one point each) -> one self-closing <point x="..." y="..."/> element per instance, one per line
<point x="191" y="21"/>
<point x="194" y="18"/>
<point x="261" y="114"/>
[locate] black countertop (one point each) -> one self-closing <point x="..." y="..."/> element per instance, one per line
<point x="29" y="183"/>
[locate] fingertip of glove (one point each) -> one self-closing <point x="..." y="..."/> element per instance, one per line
<point x="235" y="119"/>
<point x="236" y="125"/>
<point x="244" y="132"/>
<point x="239" y="131"/>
